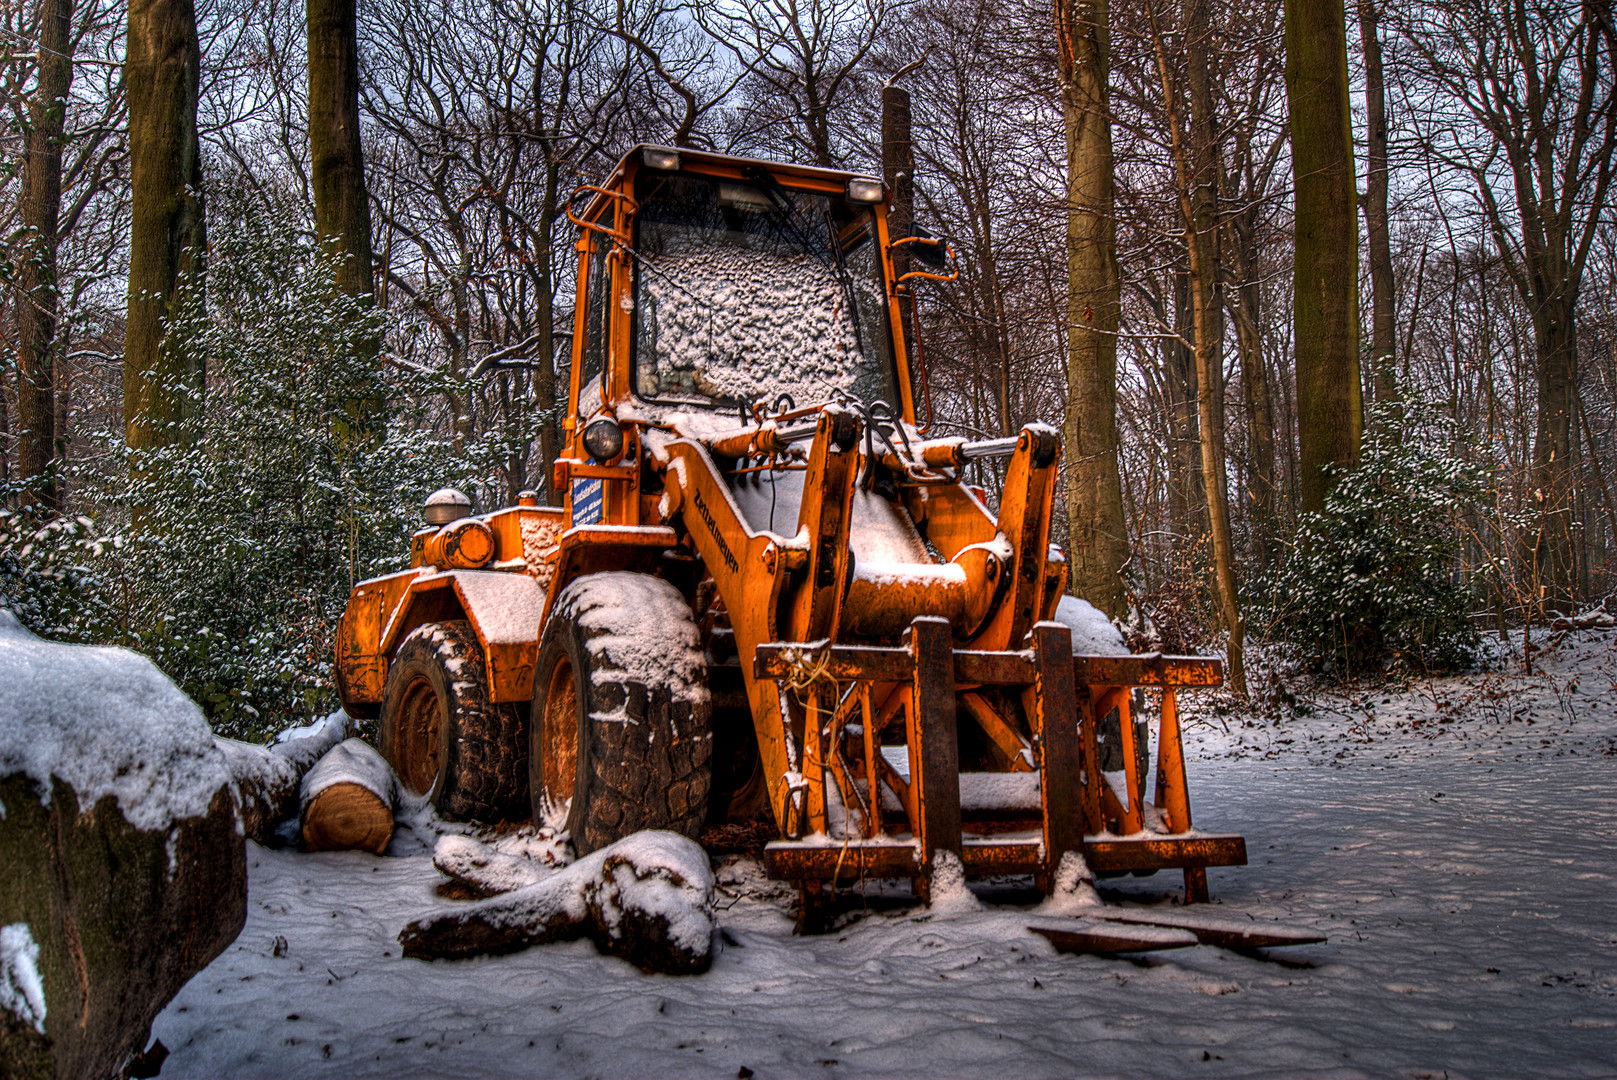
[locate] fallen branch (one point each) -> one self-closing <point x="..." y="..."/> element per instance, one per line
<point x="265" y="780"/>
<point x="647" y="898"/>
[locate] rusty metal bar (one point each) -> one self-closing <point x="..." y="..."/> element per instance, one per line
<point x="1148" y="669"/>
<point x="1156" y="853"/>
<point x="846" y="663"/>
<point x="1133" y="814"/>
<point x="873" y="820"/>
<point x="1053" y="702"/>
<point x="1089" y="778"/>
<point x="799" y="862"/>
<point x="933" y="737"/>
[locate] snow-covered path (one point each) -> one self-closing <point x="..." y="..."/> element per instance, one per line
<point x="1464" y="871"/>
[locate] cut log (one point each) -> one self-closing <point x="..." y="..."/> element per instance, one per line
<point x="348" y="799"/>
<point x="647" y="898"/>
<point x="266" y="779"/>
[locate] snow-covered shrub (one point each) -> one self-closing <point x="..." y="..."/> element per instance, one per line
<point x="1374" y="577"/>
<point x="228" y="555"/>
<point x="250" y="530"/>
<point x="49" y="570"/>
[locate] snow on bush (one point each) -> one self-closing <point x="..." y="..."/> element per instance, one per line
<point x="269" y="506"/>
<point x="105" y="721"/>
<point x="647" y="898"/>
<point x="1374" y="577"/>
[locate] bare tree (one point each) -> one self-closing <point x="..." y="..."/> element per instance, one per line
<point x="1195" y="155"/>
<point x="804" y="59"/>
<point x="1540" y="86"/>
<point x="1383" y="364"/>
<point x="39" y="451"/>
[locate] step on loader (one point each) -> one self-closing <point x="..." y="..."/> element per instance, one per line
<point x="771" y="599"/>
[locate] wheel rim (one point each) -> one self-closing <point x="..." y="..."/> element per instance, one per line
<point x="420" y="714"/>
<point x="558" y="737"/>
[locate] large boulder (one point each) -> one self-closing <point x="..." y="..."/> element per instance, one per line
<point x="123" y="859"/>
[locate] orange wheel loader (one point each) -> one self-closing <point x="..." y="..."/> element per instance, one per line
<point x="770" y="597"/>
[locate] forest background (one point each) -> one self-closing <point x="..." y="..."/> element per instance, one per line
<point x="1361" y="484"/>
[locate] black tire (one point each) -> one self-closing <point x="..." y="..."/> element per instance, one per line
<point x="442" y="734"/>
<point x="622" y="720"/>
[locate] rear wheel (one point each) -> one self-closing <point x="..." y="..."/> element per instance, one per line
<point x="442" y="734"/>
<point x="622" y="737"/>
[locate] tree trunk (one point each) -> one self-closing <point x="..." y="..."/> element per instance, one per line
<point x="1383" y="364"/>
<point x="39" y="353"/>
<point x="1330" y="405"/>
<point x="544" y="370"/>
<point x="1555" y="454"/>
<point x="1099" y="545"/>
<point x="167" y="238"/>
<point x="342" y="213"/>
<point x="1245" y="307"/>
<point x="1193" y="205"/>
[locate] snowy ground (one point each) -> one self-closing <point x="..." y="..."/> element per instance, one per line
<point x="1456" y="840"/>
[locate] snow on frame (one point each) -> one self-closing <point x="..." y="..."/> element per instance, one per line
<point x="1092" y="632"/>
<point x="1463" y="871"/>
<point x="105" y="721"/>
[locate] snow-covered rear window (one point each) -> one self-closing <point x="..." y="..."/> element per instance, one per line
<point x="748" y="292"/>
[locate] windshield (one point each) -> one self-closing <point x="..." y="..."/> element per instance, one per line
<point x="746" y="292"/>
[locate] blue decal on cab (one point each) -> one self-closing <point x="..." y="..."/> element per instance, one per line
<point x="587" y="500"/>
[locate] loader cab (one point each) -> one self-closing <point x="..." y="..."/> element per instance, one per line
<point x="712" y="287"/>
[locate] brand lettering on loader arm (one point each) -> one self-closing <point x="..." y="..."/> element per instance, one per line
<point x="718" y="538"/>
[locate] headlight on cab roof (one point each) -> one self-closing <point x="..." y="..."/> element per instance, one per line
<point x="660" y="157"/>
<point x="866" y="190"/>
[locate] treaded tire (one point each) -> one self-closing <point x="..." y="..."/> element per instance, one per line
<point x="631" y="710"/>
<point x="442" y="734"/>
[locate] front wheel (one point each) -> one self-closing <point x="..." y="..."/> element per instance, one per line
<point x="621" y="738"/>
<point x="442" y="734"/>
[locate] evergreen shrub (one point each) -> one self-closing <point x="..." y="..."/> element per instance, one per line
<point x="1375" y="579"/>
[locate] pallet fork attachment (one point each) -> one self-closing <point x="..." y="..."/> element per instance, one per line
<point x="1076" y="811"/>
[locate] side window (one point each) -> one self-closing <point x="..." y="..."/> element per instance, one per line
<point x="599" y="311"/>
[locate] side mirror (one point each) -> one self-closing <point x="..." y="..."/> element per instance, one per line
<point x="928" y="249"/>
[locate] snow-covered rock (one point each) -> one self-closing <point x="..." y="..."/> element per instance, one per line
<point x="124" y="872"/>
<point x="647" y="898"/>
<point x="105" y="721"/>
